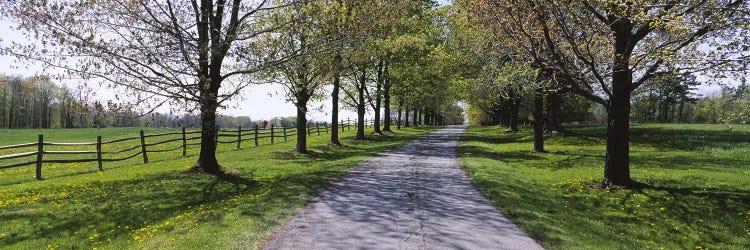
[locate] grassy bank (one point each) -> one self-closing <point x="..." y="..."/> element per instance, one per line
<point x="154" y="206"/>
<point x="700" y="198"/>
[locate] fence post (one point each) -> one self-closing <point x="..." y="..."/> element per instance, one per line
<point x="347" y="124"/>
<point x="284" y="134"/>
<point x="39" y="154"/>
<point x="256" y="135"/>
<point x="271" y="133"/>
<point x="317" y="126"/>
<point x="326" y="127"/>
<point x="309" y="132"/>
<point x="239" y="136"/>
<point x="184" y="142"/>
<point x="342" y="126"/>
<point x="143" y="148"/>
<point x="99" y="152"/>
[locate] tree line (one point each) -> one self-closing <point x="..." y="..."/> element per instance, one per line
<point x="667" y="99"/>
<point x="672" y="99"/>
<point x="39" y="102"/>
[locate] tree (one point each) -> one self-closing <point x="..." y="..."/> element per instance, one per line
<point x="377" y="27"/>
<point x="604" y="49"/>
<point x="375" y="98"/>
<point x="336" y="24"/>
<point x="304" y="74"/>
<point x="163" y="51"/>
<point x="356" y="95"/>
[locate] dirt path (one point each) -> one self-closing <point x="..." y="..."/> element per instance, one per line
<point x="412" y="197"/>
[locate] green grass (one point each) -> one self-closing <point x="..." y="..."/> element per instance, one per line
<point x="700" y="196"/>
<point x="155" y="206"/>
<point x="55" y="170"/>
<point x="18" y="136"/>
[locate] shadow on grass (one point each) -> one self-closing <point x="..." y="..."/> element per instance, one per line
<point x="117" y="209"/>
<point x="134" y="204"/>
<point x="692" y="137"/>
<point x="506" y="156"/>
<point x="675" y="211"/>
<point x="351" y="148"/>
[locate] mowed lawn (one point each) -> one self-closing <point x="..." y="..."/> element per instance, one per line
<point x="156" y="206"/>
<point x="699" y="199"/>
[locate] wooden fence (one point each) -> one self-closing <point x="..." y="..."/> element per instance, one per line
<point x="187" y="138"/>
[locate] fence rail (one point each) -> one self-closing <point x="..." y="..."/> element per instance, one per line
<point x="236" y="136"/>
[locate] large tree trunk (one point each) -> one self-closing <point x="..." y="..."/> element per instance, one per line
<point x="361" y="105"/>
<point x="387" y="101"/>
<point x="617" y="162"/>
<point x="335" y="105"/>
<point x="302" y="124"/>
<point x="539" y="121"/>
<point x="616" y="167"/>
<point x="554" y="113"/>
<point x="207" y="162"/>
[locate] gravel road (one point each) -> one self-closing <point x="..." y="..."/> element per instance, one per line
<point x="412" y="197"/>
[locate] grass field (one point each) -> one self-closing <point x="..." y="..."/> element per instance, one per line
<point x="54" y="170"/>
<point x="700" y="197"/>
<point x="155" y="206"/>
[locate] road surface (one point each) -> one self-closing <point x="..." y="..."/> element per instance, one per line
<point x="412" y="197"/>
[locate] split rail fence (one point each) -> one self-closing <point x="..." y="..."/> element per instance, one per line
<point x="187" y="138"/>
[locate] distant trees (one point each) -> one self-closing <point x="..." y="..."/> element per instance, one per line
<point x="672" y="104"/>
<point x="665" y="99"/>
<point x="37" y="102"/>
